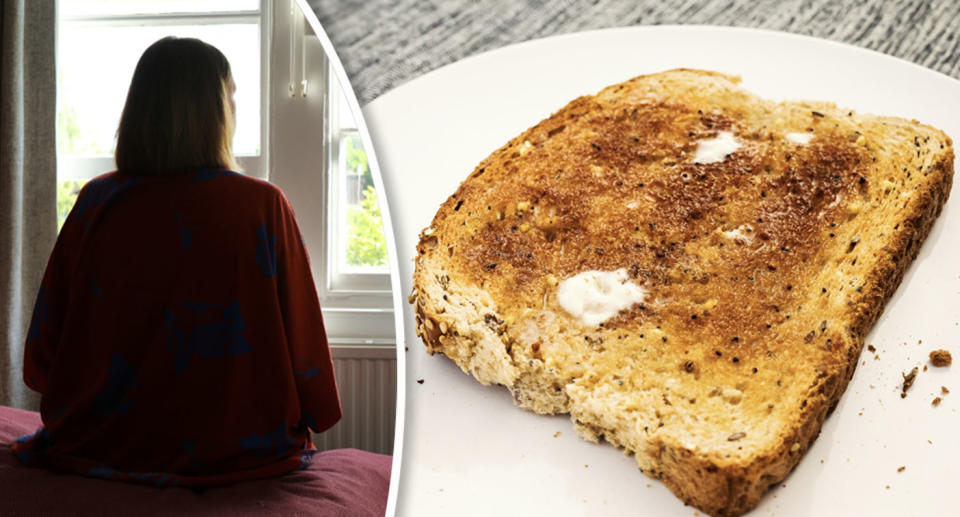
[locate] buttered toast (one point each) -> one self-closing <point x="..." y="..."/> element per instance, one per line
<point x="686" y="269"/>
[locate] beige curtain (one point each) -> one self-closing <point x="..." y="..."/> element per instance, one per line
<point x="28" y="177"/>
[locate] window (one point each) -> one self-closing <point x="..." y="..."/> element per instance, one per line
<point x="98" y="45"/>
<point x="361" y="247"/>
<point x="295" y="128"/>
<point x="358" y="254"/>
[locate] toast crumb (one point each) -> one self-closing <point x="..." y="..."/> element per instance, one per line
<point x="556" y="434"/>
<point x="419" y="381"/>
<point x="936" y="402"/>
<point x="944" y="390"/>
<point x="871" y="348"/>
<point x="901" y="469"/>
<point x="941" y="358"/>
<point x="908" y="379"/>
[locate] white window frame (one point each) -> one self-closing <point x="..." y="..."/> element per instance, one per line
<point x="357" y="306"/>
<point x="85" y="168"/>
<point x="294" y="70"/>
<point x="344" y="279"/>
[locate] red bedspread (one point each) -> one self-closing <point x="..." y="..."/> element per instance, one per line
<point x="345" y="482"/>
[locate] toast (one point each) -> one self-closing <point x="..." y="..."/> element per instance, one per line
<point x="686" y="269"/>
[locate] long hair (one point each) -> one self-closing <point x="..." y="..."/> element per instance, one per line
<point x="176" y="118"/>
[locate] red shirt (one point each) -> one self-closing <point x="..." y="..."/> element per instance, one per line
<point x="177" y="336"/>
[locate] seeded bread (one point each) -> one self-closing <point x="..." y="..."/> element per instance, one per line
<point x="763" y="270"/>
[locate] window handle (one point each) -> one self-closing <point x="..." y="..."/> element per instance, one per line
<point x="298" y="67"/>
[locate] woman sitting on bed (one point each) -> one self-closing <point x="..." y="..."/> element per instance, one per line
<point x="177" y="336"/>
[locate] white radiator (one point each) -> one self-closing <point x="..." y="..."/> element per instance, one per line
<point x="367" y="378"/>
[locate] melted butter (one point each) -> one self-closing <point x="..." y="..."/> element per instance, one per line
<point x="716" y="149"/>
<point x="799" y="138"/>
<point x="596" y="296"/>
<point x="739" y="233"/>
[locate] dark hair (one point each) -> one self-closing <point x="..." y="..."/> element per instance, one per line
<point x="176" y="118"/>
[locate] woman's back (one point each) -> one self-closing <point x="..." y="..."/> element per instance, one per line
<point x="177" y="334"/>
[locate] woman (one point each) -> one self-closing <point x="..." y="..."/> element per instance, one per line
<point x="177" y="336"/>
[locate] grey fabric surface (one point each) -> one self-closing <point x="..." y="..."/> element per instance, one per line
<point x="28" y="178"/>
<point x="384" y="43"/>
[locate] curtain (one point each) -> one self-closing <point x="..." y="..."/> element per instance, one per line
<point x="28" y="177"/>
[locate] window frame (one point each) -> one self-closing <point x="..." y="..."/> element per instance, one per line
<point x="358" y="307"/>
<point x="343" y="279"/>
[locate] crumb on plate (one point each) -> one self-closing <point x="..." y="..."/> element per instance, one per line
<point x="908" y="379"/>
<point x="941" y="358"/>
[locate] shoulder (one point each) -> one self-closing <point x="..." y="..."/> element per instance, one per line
<point x="257" y="191"/>
<point x="103" y="180"/>
<point x="101" y="190"/>
<point x="239" y="183"/>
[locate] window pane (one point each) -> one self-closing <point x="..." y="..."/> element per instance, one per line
<point x="124" y="7"/>
<point x="346" y="117"/>
<point x="96" y="64"/>
<point x="366" y="247"/>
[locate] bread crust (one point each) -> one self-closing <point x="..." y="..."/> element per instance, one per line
<point x="718" y="385"/>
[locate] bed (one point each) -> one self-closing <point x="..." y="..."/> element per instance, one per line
<point x="345" y="482"/>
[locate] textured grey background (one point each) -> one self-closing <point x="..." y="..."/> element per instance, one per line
<point x="384" y="43"/>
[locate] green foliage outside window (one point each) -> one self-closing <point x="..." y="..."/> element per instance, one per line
<point x="72" y="139"/>
<point x="357" y="161"/>
<point x="366" y="245"/>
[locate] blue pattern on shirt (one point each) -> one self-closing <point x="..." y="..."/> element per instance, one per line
<point x="186" y="235"/>
<point x="266" y="251"/>
<point x="39" y="442"/>
<point x="212" y="340"/>
<point x="115" y="397"/>
<point x="309" y="373"/>
<point x="277" y="442"/>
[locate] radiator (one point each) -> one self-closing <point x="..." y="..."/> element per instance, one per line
<point x="367" y="379"/>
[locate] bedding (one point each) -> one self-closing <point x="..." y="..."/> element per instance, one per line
<point x="341" y="482"/>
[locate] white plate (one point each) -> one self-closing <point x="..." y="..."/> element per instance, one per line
<point x="469" y="451"/>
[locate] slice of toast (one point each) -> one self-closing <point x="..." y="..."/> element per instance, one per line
<point x="765" y="237"/>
